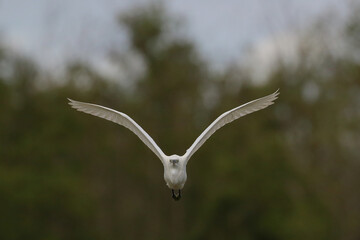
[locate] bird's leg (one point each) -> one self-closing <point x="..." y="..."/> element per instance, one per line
<point x="176" y="198"/>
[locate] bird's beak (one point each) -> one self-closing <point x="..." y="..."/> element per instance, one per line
<point x="173" y="161"/>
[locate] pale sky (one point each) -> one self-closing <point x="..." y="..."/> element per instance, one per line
<point x="54" y="30"/>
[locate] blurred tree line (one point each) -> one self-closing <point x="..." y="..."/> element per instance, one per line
<point x="291" y="171"/>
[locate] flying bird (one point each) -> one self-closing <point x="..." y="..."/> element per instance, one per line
<point x="174" y="165"/>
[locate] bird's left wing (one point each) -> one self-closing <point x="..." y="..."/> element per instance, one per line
<point x="119" y="118"/>
<point x="228" y="117"/>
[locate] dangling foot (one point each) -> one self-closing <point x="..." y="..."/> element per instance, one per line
<point x="174" y="196"/>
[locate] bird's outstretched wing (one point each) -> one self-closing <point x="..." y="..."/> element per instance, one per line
<point x="119" y="118"/>
<point x="228" y="117"/>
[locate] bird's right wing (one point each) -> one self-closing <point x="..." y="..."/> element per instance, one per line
<point x="121" y="119"/>
<point x="228" y="117"/>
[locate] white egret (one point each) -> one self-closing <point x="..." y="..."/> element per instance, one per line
<point x="174" y="165"/>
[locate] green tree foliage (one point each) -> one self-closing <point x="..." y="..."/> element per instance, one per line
<point x="288" y="172"/>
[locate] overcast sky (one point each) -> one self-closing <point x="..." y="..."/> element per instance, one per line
<point x="53" y="30"/>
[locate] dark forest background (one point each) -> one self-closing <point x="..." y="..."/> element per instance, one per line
<point x="291" y="171"/>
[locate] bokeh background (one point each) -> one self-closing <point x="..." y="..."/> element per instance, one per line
<point x="291" y="171"/>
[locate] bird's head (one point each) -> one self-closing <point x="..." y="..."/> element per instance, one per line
<point x="174" y="159"/>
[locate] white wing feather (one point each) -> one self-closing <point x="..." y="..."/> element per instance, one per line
<point x="119" y="118"/>
<point x="228" y="117"/>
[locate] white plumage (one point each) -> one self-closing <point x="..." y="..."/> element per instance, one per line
<point x="174" y="165"/>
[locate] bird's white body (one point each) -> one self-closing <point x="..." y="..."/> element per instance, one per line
<point x="174" y="165"/>
<point x="175" y="173"/>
